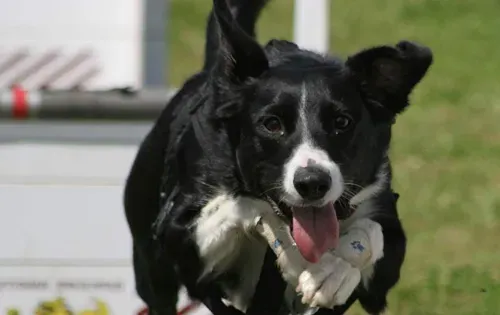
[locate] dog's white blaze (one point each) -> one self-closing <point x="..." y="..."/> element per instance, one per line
<point x="308" y="151"/>
<point x="306" y="135"/>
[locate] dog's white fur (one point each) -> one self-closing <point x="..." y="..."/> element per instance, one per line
<point x="222" y="230"/>
<point x="224" y="233"/>
<point x="373" y="189"/>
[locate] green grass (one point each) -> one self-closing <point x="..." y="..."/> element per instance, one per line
<point x="446" y="148"/>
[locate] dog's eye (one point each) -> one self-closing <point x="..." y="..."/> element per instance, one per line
<point x="273" y="125"/>
<point x="342" y="122"/>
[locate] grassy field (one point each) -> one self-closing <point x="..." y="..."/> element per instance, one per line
<point x="446" y="149"/>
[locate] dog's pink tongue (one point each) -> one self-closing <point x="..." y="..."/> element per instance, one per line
<point x="315" y="230"/>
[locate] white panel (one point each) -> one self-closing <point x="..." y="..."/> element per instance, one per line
<point x="109" y="30"/>
<point x="70" y="223"/>
<point x="48" y="164"/>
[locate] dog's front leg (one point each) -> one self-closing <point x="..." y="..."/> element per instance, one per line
<point x="277" y="234"/>
<point x="386" y="273"/>
<point x="332" y="280"/>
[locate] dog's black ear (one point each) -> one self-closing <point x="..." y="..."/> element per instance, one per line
<point x="240" y="56"/>
<point x="388" y="74"/>
<point x="280" y="45"/>
<point x="275" y="47"/>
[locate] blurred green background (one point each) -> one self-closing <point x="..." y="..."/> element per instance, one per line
<point x="446" y="148"/>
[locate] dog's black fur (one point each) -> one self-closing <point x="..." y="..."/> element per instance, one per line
<point x="213" y="135"/>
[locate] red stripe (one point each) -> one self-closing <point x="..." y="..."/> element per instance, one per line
<point x="20" y="107"/>
<point x="188" y="308"/>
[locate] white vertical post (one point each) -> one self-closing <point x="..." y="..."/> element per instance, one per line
<point x="311" y="24"/>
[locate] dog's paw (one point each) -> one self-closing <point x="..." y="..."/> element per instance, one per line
<point x="329" y="282"/>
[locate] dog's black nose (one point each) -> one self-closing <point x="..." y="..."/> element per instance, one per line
<point x="312" y="182"/>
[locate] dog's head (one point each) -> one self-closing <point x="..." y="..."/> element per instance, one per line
<point x="314" y="130"/>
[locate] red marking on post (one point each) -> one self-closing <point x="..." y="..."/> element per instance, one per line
<point x="20" y="107"/>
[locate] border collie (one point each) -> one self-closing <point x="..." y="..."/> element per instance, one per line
<point x="272" y="129"/>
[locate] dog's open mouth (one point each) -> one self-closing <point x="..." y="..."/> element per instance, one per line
<point x="314" y="229"/>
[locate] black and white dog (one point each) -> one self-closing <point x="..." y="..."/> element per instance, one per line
<point x="272" y="129"/>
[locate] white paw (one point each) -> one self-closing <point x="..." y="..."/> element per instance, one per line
<point x="329" y="282"/>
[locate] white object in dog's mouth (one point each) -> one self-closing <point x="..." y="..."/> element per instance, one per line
<point x="315" y="230"/>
